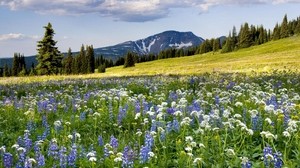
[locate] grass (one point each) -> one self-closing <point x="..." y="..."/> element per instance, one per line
<point x="280" y="55"/>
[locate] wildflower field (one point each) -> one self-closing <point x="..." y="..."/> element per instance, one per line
<point x="210" y="120"/>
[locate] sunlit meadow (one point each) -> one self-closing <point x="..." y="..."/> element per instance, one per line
<point x="211" y="120"/>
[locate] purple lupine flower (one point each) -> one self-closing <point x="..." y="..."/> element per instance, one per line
<point x="169" y="126"/>
<point x="144" y="154"/>
<point x="7" y="160"/>
<point x="277" y="160"/>
<point x="114" y="142"/>
<point x="128" y="157"/>
<point x="28" y="162"/>
<point x="72" y="156"/>
<point x="100" y="140"/>
<point x="268" y="156"/>
<point x="176" y="125"/>
<point x="106" y="152"/>
<point x="40" y="160"/>
<point x="53" y="150"/>
<point x="149" y="141"/>
<point x="121" y="115"/>
<point x="27" y="141"/>
<point x="63" y="157"/>
<point x="246" y="165"/>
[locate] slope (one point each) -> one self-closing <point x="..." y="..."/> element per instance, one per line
<point x="283" y="54"/>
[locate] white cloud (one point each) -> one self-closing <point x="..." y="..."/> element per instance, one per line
<point x="16" y="36"/>
<point x="125" y="10"/>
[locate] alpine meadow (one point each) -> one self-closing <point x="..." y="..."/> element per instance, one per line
<point x="170" y="100"/>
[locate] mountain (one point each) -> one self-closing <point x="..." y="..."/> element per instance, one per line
<point x="152" y="44"/>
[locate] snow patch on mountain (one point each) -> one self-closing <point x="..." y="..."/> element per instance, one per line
<point x="181" y="45"/>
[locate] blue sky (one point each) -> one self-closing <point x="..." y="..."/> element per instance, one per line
<point x="109" y="22"/>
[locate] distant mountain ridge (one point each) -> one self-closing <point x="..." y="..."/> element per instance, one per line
<point x="152" y="44"/>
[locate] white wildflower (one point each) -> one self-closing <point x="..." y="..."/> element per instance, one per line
<point x="118" y="159"/>
<point x="188" y="139"/>
<point x="151" y="154"/>
<point x="197" y="160"/>
<point x="178" y="113"/>
<point x="268" y="120"/>
<point x="186" y="121"/>
<point x="201" y="145"/>
<point x="70" y="136"/>
<point x="230" y="152"/>
<point x="188" y="149"/>
<point x="286" y="134"/>
<point x="137" y="116"/>
<point x="92" y="159"/>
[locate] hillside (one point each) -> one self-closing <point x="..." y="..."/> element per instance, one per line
<point x="280" y="55"/>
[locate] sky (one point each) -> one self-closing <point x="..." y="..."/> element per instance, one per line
<point x="108" y="22"/>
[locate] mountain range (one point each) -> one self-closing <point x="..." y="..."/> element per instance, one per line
<point x="152" y="44"/>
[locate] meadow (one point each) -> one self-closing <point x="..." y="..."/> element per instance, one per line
<point x="212" y="110"/>
<point x="211" y="120"/>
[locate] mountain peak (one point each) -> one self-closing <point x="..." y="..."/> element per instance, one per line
<point x="153" y="44"/>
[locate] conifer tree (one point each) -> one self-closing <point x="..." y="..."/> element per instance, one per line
<point x="216" y="45"/>
<point x="245" y="38"/>
<point x="90" y="58"/>
<point x="284" y="29"/>
<point x="6" y="71"/>
<point x="129" y="60"/>
<point x="48" y="57"/>
<point x="15" y="67"/>
<point x="68" y="62"/>
<point x="276" y="32"/>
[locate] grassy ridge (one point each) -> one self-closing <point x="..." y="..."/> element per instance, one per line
<point x="281" y="54"/>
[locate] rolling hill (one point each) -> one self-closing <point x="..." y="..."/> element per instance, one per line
<point x="282" y="54"/>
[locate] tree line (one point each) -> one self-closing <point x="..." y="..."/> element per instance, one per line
<point x="51" y="61"/>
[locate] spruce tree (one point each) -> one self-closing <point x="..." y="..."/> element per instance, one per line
<point x="216" y="45"/>
<point x="15" y="67"/>
<point x="129" y="60"/>
<point x="276" y="32"/>
<point x="90" y="56"/>
<point x="48" y="57"/>
<point x="245" y="38"/>
<point x="68" y="62"/>
<point x="284" y="29"/>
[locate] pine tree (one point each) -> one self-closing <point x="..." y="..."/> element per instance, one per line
<point x="16" y="63"/>
<point x="245" y="38"/>
<point x="49" y="57"/>
<point x="81" y="61"/>
<point x="276" y="32"/>
<point x="216" y="45"/>
<point x="284" y="29"/>
<point x="6" y="71"/>
<point x="90" y="56"/>
<point x="68" y="61"/>
<point x="129" y="60"/>
<point x="229" y="45"/>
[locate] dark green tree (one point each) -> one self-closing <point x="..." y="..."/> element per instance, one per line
<point x="245" y="38"/>
<point x="216" y="45"/>
<point x="6" y="71"/>
<point x="16" y="61"/>
<point x="276" y="32"/>
<point x="129" y="60"/>
<point x="68" y="62"/>
<point x="90" y="58"/>
<point x="229" y="44"/>
<point x="284" y="29"/>
<point x="49" y="57"/>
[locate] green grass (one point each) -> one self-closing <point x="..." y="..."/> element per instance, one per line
<point x="280" y="55"/>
